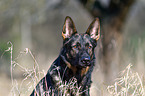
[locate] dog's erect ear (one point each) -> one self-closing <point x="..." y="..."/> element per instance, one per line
<point x="94" y="29"/>
<point x="68" y="28"/>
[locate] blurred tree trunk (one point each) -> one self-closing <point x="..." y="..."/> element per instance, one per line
<point x="113" y="14"/>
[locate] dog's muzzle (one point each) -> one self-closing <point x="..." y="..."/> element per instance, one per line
<point x="85" y="61"/>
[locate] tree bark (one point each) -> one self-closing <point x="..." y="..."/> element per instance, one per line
<point x="113" y="16"/>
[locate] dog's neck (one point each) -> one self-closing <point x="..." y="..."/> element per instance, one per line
<point x="73" y="68"/>
<point x="76" y="71"/>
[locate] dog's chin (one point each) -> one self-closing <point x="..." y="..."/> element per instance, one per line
<point x="81" y="65"/>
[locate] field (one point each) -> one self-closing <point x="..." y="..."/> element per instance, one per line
<point x="127" y="83"/>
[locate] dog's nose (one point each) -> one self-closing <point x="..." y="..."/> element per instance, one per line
<point x="86" y="60"/>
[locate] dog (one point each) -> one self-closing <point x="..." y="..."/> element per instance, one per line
<point x="70" y="73"/>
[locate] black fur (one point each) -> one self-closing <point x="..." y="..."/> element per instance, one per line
<point x="75" y="63"/>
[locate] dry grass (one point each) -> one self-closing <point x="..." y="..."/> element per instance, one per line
<point x="33" y="75"/>
<point x="128" y="83"/>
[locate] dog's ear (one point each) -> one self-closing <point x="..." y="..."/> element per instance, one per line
<point x="68" y="28"/>
<point x="94" y="29"/>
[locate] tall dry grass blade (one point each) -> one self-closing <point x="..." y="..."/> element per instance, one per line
<point x="128" y="84"/>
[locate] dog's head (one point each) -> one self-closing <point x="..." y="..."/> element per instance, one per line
<point x="79" y="48"/>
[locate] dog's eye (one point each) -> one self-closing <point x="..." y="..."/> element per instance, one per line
<point x="90" y="47"/>
<point x="75" y="46"/>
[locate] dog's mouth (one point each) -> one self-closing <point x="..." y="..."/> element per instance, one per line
<point x="84" y="64"/>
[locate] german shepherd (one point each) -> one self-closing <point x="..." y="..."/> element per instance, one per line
<point x="70" y="74"/>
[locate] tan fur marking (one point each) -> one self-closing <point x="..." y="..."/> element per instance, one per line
<point x="74" y="69"/>
<point x="98" y="37"/>
<point x="84" y="70"/>
<point x="63" y="35"/>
